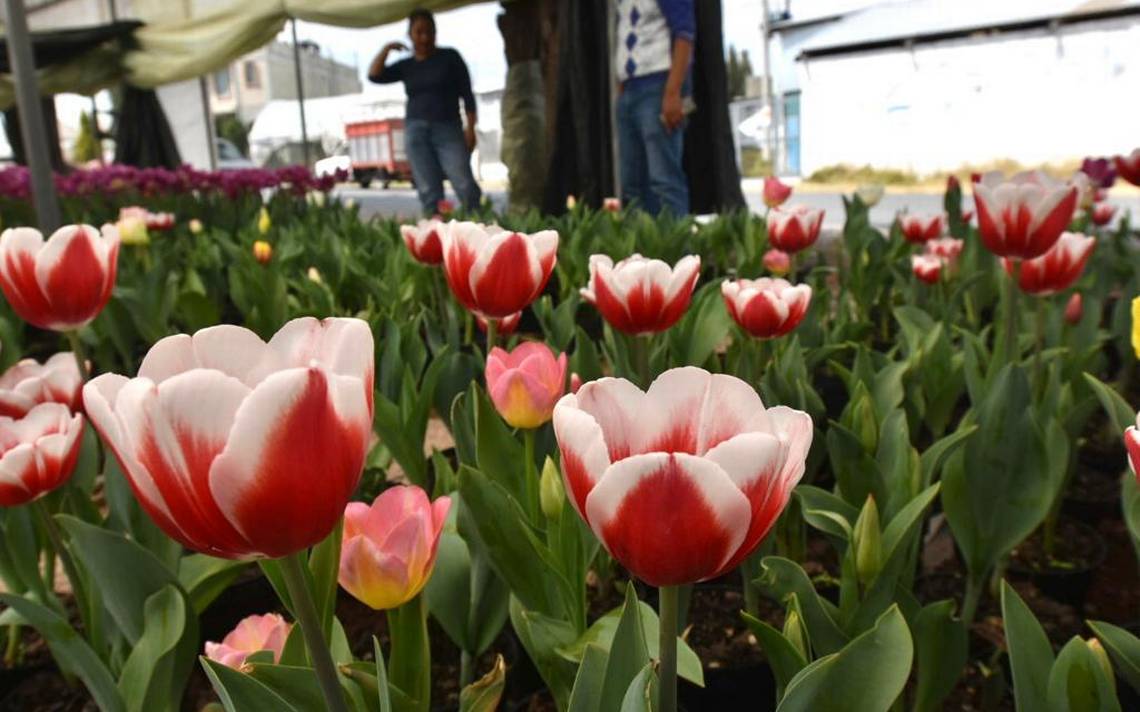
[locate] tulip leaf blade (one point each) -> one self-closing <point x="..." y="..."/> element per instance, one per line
<point x="868" y="674"/>
<point x="205" y="577"/>
<point x="641" y="696"/>
<point x="941" y="647"/>
<point x="1122" y="647"/>
<point x="1030" y="653"/>
<point x="783" y="657"/>
<point x="239" y="692"/>
<point x="629" y="653"/>
<point x="70" y="649"/>
<point x="1115" y="407"/>
<point x="541" y="636"/>
<point x="1078" y="683"/>
<point x="781" y="579"/>
<point x="484" y="694"/>
<point x="163" y="656"/>
<point x="587" y="692"/>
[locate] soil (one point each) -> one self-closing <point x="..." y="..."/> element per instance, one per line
<point x="1077" y="548"/>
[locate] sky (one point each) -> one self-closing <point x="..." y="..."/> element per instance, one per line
<point x="472" y="31"/>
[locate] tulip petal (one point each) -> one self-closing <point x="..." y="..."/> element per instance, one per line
<point x="696" y="410"/>
<point x="619" y="407"/>
<point x="669" y="518"/>
<point x="72" y="274"/>
<point x="233" y="350"/>
<point x="506" y="275"/>
<point x="583" y="449"/>
<point x="18" y="250"/>
<point x="293" y="458"/>
<point x="375" y="578"/>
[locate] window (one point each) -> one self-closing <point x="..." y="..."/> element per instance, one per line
<point x="252" y="75"/>
<point x="222" y="82"/>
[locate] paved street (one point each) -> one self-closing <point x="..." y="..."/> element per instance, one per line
<point x="400" y="201"/>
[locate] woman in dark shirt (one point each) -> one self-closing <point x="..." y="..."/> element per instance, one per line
<point x="435" y="79"/>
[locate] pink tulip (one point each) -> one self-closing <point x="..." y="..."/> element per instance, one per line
<point x="766" y="308"/>
<point x="524" y="384"/>
<point x="239" y="448"/>
<point x="27" y="384"/>
<point x="61" y="284"/>
<point x="1057" y="269"/>
<point x="154" y="221"/>
<point x="612" y="205"/>
<point x="775" y="192"/>
<point x="38" y="452"/>
<point x="777" y="262"/>
<point x="494" y="272"/>
<point x="639" y="295"/>
<point x="389" y="548"/>
<point x="423" y="241"/>
<point x="927" y="268"/>
<point x="1102" y="214"/>
<point x="1021" y="218"/>
<point x="252" y="634"/>
<point x="919" y="229"/>
<point x="1074" y="309"/>
<point x="794" y="229"/>
<point x="682" y="482"/>
<point x="1129" y="166"/>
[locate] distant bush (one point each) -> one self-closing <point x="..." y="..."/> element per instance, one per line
<point x="843" y="173"/>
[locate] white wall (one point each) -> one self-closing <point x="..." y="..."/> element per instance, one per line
<point x="182" y="103"/>
<point x="1035" y="98"/>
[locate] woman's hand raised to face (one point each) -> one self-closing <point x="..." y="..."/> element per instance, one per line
<point x="395" y="47"/>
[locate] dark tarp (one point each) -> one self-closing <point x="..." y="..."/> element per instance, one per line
<point x="56" y="46"/>
<point x="710" y="158"/>
<point x="16" y="137"/>
<point x="581" y="160"/>
<point x="142" y="134"/>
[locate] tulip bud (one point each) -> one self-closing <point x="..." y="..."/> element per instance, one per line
<point x="263" y="221"/>
<point x="262" y="251"/>
<point x="132" y="231"/>
<point x="571" y="202"/>
<point x="349" y="204"/>
<point x="1101" y="656"/>
<point x="551" y="494"/>
<point x="612" y="205"/>
<point x="1074" y="309"/>
<point x="575" y="382"/>
<point x="777" y="262"/>
<point x="870" y="194"/>
<point x="1136" y="326"/>
<point x="315" y="275"/>
<point x="868" y="543"/>
<point x="862" y="420"/>
<point x="195" y="226"/>
<point x="795" y="633"/>
<point x="445" y="207"/>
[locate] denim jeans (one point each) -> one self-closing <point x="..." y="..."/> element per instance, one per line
<point x="649" y="156"/>
<point x="436" y="149"/>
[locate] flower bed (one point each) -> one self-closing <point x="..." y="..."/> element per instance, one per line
<point x="706" y="465"/>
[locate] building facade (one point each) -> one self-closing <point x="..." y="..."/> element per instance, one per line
<point x="247" y="85"/>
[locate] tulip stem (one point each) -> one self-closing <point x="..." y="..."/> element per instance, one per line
<point x="1038" y="380"/>
<point x="973" y="595"/>
<point x="1011" y="354"/>
<point x="77" y="588"/>
<point x="492" y="334"/>
<point x="292" y="569"/>
<point x="80" y="357"/>
<point x="667" y="671"/>
<point x="530" y="478"/>
<point x="642" y="344"/>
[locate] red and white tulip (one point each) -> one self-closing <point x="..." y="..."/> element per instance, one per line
<point x="639" y="295"/>
<point x="524" y="384"/>
<point x="495" y="272"/>
<point x="1101" y="214"/>
<point x="611" y="205"/>
<point x="776" y="192"/>
<point x="1132" y="443"/>
<point x="29" y="383"/>
<point x="240" y="448"/>
<point x="927" y="268"/>
<point x="1057" y="269"/>
<point x="38" y="452"/>
<point x="62" y="283"/>
<point x="252" y="634"/>
<point x="680" y="483"/>
<point x="766" y="308"/>
<point x="424" y="241"/>
<point x="795" y="228"/>
<point x="390" y="547"/>
<point x="919" y="229"/>
<point x="1021" y="218"/>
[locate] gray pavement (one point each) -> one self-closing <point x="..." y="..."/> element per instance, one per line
<point x="402" y="202"/>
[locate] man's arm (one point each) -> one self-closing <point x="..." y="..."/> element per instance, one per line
<point x="464" y="79"/>
<point x="378" y="72"/>
<point x="681" y="18"/>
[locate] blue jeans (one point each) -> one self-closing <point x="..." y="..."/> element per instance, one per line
<point x="649" y="156"/>
<point x="436" y="149"/>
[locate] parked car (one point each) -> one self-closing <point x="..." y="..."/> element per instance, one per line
<point x="230" y="156"/>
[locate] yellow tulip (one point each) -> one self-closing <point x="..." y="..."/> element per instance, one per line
<point x="263" y="222"/>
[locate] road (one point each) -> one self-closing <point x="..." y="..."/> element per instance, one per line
<point x="402" y="202"/>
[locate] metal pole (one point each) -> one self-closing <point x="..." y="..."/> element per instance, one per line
<point x="300" y="93"/>
<point x="31" y="115"/>
<point x="615" y="150"/>
<point x="208" y="118"/>
<point x="769" y="99"/>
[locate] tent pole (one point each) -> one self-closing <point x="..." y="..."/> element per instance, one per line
<point x="300" y="92"/>
<point x="208" y="116"/>
<point x="31" y="115"/>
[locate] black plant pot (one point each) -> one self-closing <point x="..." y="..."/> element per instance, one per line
<point x="1067" y="585"/>
<point x="750" y="688"/>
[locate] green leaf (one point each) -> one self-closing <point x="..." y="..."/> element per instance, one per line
<point x="241" y="693"/>
<point x="783" y="657"/>
<point x="1123" y="647"/>
<point x="587" y="693"/>
<point x="1119" y="412"/>
<point x="1078" y="683"/>
<point x="499" y="454"/>
<point x="940" y="643"/>
<point x="628" y="653"/>
<point x="601" y="634"/>
<point x="484" y="694"/>
<point x="1130" y="503"/>
<point x="324" y="565"/>
<point x="70" y="650"/>
<point x="703" y="328"/>
<point x="830" y="514"/>
<point x="542" y="636"/>
<point x="642" y="693"/>
<point x="381" y="676"/>
<point x="783" y="578"/>
<point x="935" y="456"/>
<point x="149" y="679"/>
<point x="868" y="674"/>
<point x="205" y="577"/>
<point x="1030" y="654"/>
